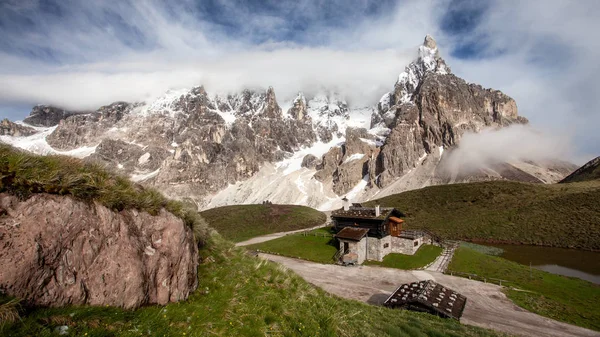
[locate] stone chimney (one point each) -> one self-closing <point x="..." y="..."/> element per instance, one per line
<point x="346" y="204"/>
<point x="377" y="211"/>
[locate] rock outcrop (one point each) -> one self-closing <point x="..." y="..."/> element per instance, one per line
<point x="347" y="165"/>
<point x="46" y="115"/>
<point x="8" y="128"/>
<point x="310" y="161"/>
<point x="59" y="251"/>
<point x="432" y="109"/>
<point x="84" y="129"/>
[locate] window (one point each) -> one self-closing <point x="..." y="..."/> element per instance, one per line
<point x="416" y="243"/>
<point x="385" y="245"/>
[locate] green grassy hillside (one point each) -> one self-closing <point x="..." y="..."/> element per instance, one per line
<point x="241" y="295"/>
<point x="23" y="174"/>
<point x="559" y="215"/>
<point x="589" y="171"/>
<point x="562" y="298"/>
<point x="242" y="222"/>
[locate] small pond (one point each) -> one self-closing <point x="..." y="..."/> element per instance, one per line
<point x="569" y="262"/>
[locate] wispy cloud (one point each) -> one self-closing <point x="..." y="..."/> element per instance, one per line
<point x="82" y="54"/>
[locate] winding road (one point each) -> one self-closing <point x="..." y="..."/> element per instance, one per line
<point x="487" y="306"/>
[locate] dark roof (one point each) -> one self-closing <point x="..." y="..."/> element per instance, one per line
<point x="435" y="297"/>
<point x="362" y="213"/>
<point x="352" y="233"/>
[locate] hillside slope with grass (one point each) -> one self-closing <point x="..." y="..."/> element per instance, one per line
<point x="566" y="299"/>
<point x="242" y="296"/>
<point x="74" y="233"/>
<point x="242" y="222"/>
<point x="558" y="215"/>
<point x="24" y="174"/>
<point x="589" y="171"/>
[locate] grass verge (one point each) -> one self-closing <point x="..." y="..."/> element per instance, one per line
<point x="566" y="299"/>
<point x="243" y="222"/>
<point x="241" y="295"/>
<point x="24" y="174"/>
<point x="558" y="215"/>
<point x="424" y="256"/>
<point x="317" y="248"/>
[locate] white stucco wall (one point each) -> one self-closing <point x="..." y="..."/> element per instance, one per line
<point x="360" y="248"/>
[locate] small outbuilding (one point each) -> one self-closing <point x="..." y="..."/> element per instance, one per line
<point x="353" y="245"/>
<point x="428" y="296"/>
<point x="370" y="233"/>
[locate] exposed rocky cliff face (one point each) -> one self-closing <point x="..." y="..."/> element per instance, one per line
<point x="193" y="144"/>
<point x="46" y="115"/>
<point x="58" y="251"/>
<point x="433" y="108"/>
<point x="8" y="128"/>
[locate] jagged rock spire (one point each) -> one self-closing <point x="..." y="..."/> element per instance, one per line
<point x="429" y="42"/>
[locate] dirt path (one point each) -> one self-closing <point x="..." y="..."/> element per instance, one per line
<point x="273" y="236"/>
<point x="442" y="261"/>
<point x="487" y="306"/>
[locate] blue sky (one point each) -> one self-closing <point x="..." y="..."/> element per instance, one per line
<point x="82" y="54"/>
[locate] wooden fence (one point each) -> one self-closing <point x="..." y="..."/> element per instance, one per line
<point x="318" y="234"/>
<point x="470" y="276"/>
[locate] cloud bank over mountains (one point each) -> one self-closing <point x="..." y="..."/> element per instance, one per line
<point x="81" y="54"/>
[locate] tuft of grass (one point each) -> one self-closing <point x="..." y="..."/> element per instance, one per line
<point x="24" y="174"/>
<point x="424" y="256"/>
<point x="558" y="215"/>
<point x="566" y="299"/>
<point x="242" y="222"/>
<point x="241" y="295"/>
<point x="9" y="310"/>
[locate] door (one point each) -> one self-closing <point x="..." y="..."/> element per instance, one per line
<point x="346" y="247"/>
<point x="393" y="229"/>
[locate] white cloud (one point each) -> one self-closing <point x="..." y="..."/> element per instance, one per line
<point x="513" y="143"/>
<point x="548" y="60"/>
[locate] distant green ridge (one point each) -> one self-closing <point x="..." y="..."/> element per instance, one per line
<point x="242" y="222"/>
<point x="558" y="215"/>
<point x="589" y="171"/>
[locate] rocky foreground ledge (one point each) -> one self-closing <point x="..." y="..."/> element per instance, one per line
<point x="58" y="251"/>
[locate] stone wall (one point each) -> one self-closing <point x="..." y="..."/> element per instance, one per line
<point x="360" y="248"/>
<point x="406" y="246"/>
<point x="377" y="248"/>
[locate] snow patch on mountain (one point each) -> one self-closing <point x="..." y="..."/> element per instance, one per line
<point x="318" y="149"/>
<point x="37" y="143"/>
<point x="356" y="156"/>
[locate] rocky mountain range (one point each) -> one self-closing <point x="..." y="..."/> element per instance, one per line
<point x="589" y="171"/>
<point x="241" y="148"/>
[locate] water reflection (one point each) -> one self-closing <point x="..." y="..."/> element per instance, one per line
<point x="569" y="262"/>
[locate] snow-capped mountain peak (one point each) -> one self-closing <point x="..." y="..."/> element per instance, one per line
<point x="427" y="61"/>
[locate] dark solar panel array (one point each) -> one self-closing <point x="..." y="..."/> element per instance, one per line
<point x="428" y="296"/>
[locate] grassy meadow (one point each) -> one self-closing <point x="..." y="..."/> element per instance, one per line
<point x="242" y="222"/>
<point x="241" y="295"/>
<point x="559" y="215"/>
<point x="317" y="248"/>
<point x="558" y="297"/>
<point x="424" y="256"/>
